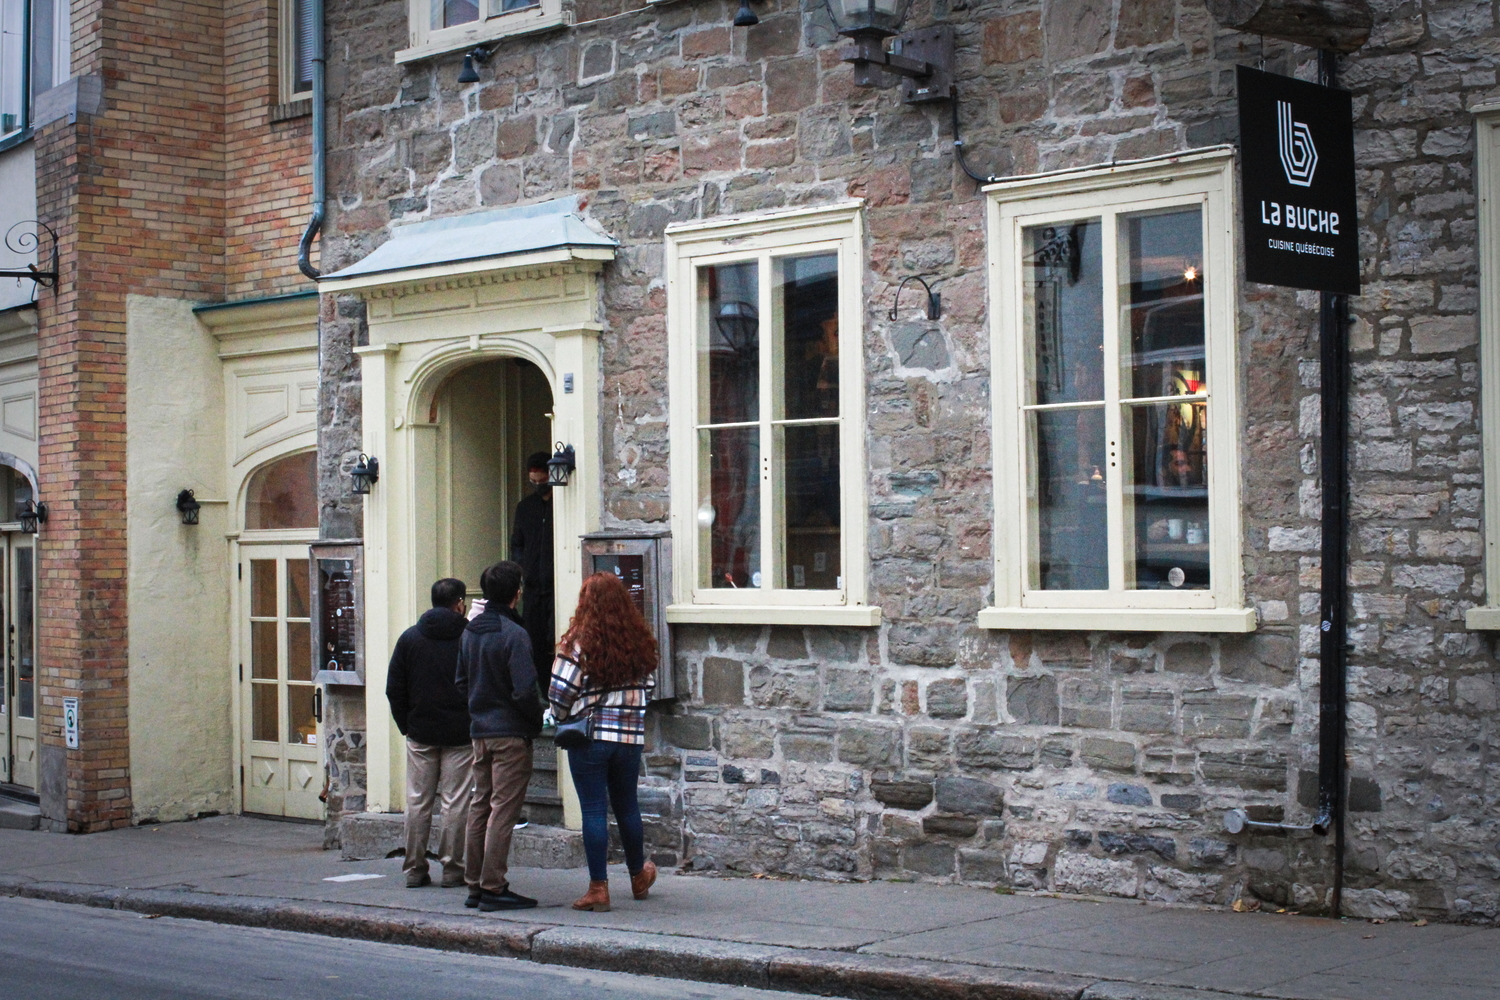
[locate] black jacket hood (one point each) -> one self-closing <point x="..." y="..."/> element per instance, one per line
<point x="442" y="623"/>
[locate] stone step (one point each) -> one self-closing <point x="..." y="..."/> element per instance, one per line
<point x="368" y="836"/>
<point x="17" y="815"/>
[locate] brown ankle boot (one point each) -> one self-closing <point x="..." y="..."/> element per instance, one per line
<point x="596" y="899"/>
<point x="642" y="881"/>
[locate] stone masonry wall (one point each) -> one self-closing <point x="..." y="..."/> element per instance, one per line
<point x="1077" y="762"/>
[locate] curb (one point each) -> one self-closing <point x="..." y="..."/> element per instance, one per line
<point x="828" y="973"/>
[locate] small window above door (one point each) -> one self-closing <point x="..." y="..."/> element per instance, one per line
<point x="284" y="494"/>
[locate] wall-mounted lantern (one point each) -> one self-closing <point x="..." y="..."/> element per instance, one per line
<point x="30" y="514"/>
<point x="366" y="473"/>
<point x="561" y="465"/>
<point x="467" y="73"/>
<point x="924" y="57"/>
<point x="188" y="507"/>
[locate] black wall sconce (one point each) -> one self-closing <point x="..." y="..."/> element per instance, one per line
<point x="934" y="300"/>
<point x="478" y="54"/>
<point x="745" y="17"/>
<point x="924" y="58"/>
<point x="366" y="473"/>
<point x="30" y="514"/>
<point x="561" y="465"/>
<point x="25" y="237"/>
<point x="188" y="507"/>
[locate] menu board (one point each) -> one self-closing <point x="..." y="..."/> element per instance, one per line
<point x="632" y="572"/>
<point x="340" y="615"/>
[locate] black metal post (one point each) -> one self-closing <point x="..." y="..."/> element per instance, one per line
<point x="1333" y="337"/>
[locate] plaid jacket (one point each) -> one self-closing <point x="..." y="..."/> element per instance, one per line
<point x="619" y="714"/>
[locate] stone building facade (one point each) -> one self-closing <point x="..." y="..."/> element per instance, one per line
<point x="930" y="746"/>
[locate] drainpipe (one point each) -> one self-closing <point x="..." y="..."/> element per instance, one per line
<point x="1333" y="338"/>
<point x="315" y="224"/>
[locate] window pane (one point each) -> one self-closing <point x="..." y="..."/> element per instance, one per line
<point x="263" y="713"/>
<point x="729" y="343"/>
<point x="1161" y="299"/>
<point x="43" y="45"/>
<point x="303" y="56"/>
<point x="1064" y="311"/>
<point x="284" y="494"/>
<point x="12" y="65"/>
<point x="807" y="298"/>
<point x="811" y="494"/>
<point x="263" y="650"/>
<point x="301" y="724"/>
<point x="296" y="588"/>
<point x="263" y="588"/>
<point x="298" y="651"/>
<point x="1167" y="495"/>
<point x="1069" y="509"/>
<point x="506" y="6"/>
<point x="729" y="507"/>
<point x="447" y="13"/>
<point x="25" y="633"/>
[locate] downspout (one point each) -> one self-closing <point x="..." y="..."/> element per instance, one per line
<point x="1333" y="340"/>
<point x="315" y="224"/>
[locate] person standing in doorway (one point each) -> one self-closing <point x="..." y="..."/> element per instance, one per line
<point x="434" y="718"/>
<point x="531" y="547"/>
<point x="606" y="666"/>
<point x="497" y="676"/>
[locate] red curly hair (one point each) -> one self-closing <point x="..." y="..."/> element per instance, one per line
<point x="616" y="648"/>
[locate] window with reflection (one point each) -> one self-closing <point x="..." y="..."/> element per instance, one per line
<point x="284" y="494"/>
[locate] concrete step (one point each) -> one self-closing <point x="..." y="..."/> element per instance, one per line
<point x="17" y="815"/>
<point x="367" y="836"/>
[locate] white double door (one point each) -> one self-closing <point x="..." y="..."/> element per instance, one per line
<point x="280" y="732"/>
<point x="18" y="691"/>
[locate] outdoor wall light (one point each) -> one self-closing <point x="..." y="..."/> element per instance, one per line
<point x="561" y="465"/>
<point x="934" y="300"/>
<point x="366" y="473"/>
<point x="924" y="57"/>
<point x="188" y="506"/>
<point x="745" y="17"/>
<point x="739" y="324"/>
<point x="478" y="54"/>
<point x="30" y="514"/>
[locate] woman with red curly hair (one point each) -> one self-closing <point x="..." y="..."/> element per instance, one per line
<point x="605" y="665"/>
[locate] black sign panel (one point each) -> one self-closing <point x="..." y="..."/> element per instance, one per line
<point x="340" y="615"/>
<point x="1297" y="179"/>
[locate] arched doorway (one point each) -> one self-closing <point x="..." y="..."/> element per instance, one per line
<point x="18" y="689"/>
<point x="280" y="763"/>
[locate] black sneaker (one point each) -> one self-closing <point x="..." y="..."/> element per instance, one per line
<point x="507" y="900"/>
<point x="473" y="899"/>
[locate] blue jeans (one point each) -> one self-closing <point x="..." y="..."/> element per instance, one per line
<point x="605" y="775"/>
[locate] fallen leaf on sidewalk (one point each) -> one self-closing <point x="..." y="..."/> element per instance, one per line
<point x="1240" y="906"/>
<point x="1421" y="923"/>
<point x="149" y="916"/>
<point x="1366" y="937"/>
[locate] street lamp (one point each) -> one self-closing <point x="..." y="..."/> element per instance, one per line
<point x="560" y="465"/>
<point x="366" y="473"/>
<point x="924" y="58"/>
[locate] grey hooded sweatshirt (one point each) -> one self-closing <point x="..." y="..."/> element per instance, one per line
<point x="497" y="676"/>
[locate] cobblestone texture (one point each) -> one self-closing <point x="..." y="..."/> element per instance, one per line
<point x="929" y="748"/>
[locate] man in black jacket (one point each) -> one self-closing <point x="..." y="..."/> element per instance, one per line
<point x="434" y="718"/>
<point x="496" y="674"/>
<point x="531" y="547"/>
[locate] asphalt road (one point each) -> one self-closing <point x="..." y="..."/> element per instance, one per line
<point x="54" y="951"/>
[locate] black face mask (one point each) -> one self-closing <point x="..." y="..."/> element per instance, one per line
<point x="542" y="487"/>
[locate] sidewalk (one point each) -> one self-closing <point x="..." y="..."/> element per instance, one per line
<point x="879" y="939"/>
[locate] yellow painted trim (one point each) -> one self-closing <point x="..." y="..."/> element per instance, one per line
<point x="750" y="614"/>
<point x="1142" y="620"/>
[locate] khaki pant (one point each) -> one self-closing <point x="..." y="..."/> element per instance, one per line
<point x="502" y="770"/>
<point x="436" y="773"/>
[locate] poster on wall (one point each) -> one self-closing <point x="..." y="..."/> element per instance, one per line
<point x="338" y="624"/>
<point x="1297" y="183"/>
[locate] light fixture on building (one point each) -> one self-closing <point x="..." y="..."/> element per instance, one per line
<point x="924" y="58"/>
<point x="366" y="473"/>
<point x="739" y="324"/>
<point x="934" y="300"/>
<point x="478" y="54"/>
<point x="188" y="506"/>
<point x="745" y="17"/>
<point x="30" y="514"/>
<point x="561" y="465"/>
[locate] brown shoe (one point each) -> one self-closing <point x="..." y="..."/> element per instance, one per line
<point x="642" y="881"/>
<point x="596" y="899"/>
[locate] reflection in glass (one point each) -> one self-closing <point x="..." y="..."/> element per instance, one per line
<point x="810" y="460"/>
<point x="447" y="13"/>
<point x="297" y="583"/>
<point x="807" y="299"/>
<point x="25" y="633"/>
<point x="284" y="494"/>
<point x="263" y="588"/>
<point x="1167" y="495"/>
<point x="299" y="651"/>
<point x="12" y="59"/>
<point x="1161" y="302"/>
<point x="263" y="650"/>
<point x="263" y="713"/>
<point x="729" y="343"/>
<point x="1063" y="307"/>
<point x="729" y="507"/>
<point x="301" y="723"/>
<point x="1070" y="505"/>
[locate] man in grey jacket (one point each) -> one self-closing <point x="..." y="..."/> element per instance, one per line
<point x="497" y="676"/>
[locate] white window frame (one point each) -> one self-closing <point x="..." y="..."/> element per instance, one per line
<point x="1487" y="185"/>
<point x="425" y="41"/>
<point x="762" y="237"/>
<point x="286" y="53"/>
<point x="1203" y="178"/>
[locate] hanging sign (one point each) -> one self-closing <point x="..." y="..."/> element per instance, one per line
<point x="1297" y="181"/>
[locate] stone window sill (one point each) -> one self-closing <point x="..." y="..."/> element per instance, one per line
<point x="298" y="107"/>
<point x="766" y="614"/>
<point x="1482" y="619"/>
<point x="511" y="25"/>
<point x="1122" y="619"/>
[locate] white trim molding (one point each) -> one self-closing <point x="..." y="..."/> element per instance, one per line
<point x="427" y="41"/>
<point x="1486" y="163"/>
